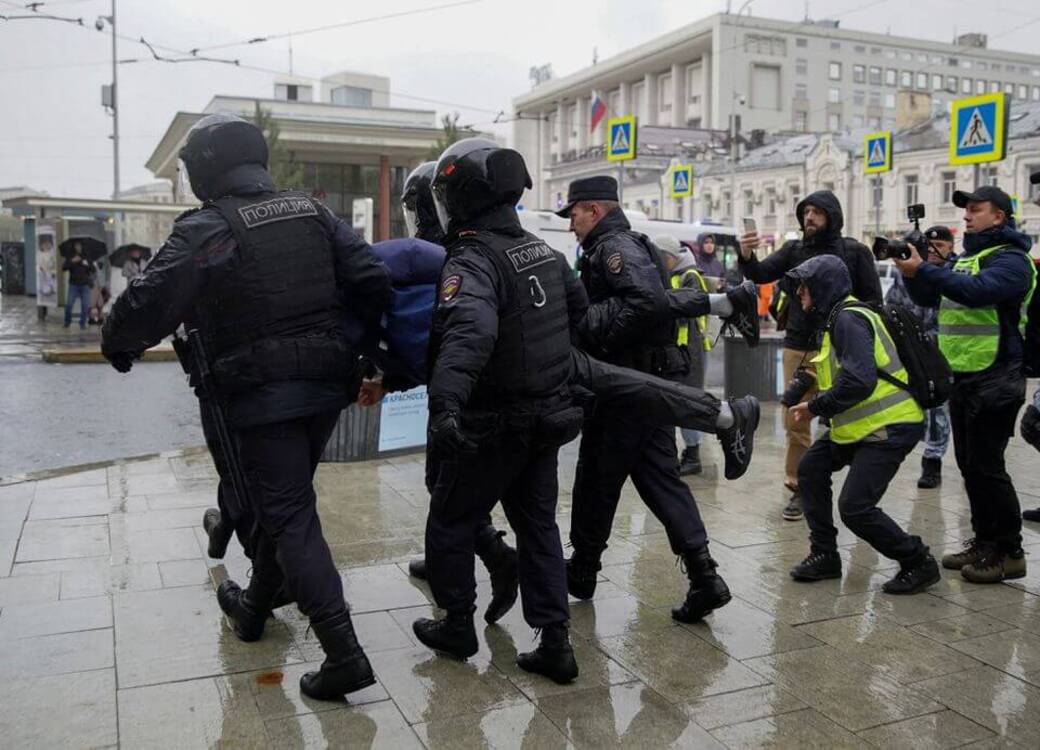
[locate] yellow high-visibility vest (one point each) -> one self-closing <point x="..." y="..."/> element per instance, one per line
<point x="683" y="339"/>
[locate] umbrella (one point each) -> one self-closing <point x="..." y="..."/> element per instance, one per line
<point x="89" y="247"/>
<point x="122" y="254"/>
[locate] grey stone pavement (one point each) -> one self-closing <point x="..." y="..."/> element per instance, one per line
<point x="110" y="634"/>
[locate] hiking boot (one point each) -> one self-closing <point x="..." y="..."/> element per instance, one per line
<point x="581" y="575"/>
<point x="996" y="566"/>
<point x="453" y="634"/>
<point x="931" y="473"/>
<point x="219" y="533"/>
<point x="974" y="550"/>
<point x="417" y="568"/>
<point x="738" y="441"/>
<point x="500" y="560"/>
<point x="707" y="591"/>
<point x="914" y="577"/>
<point x="793" y="510"/>
<point x="554" y="656"/>
<point x="345" y="669"/>
<point x="818" y="566"/>
<point x="690" y="462"/>
<point x="744" y="319"/>
<point x="247" y="618"/>
<point x="1031" y="515"/>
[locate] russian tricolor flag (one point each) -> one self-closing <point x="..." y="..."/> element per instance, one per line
<point x="599" y="110"/>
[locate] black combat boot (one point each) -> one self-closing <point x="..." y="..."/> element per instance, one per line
<point x="818" y="566"/>
<point x="500" y="560"/>
<point x="554" y="656"/>
<point x="738" y="441"/>
<point x="345" y="669"/>
<point x="581" y="574"/>
<point x="931" y="473"/>
<point x="246" y="615"/>
<point x="219" y="533"/>
<point x="707" y="592"/>
<point x="453" y="634"/>
<point x="690" y="461"/>
<point x="417" y="568"/>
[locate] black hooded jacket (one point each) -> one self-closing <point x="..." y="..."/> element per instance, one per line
<point x="801" y="332"/>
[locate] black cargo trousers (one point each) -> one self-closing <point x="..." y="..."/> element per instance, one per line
<point x="518" y="468"/>
<point x="243" y="521"/>
<point x="279" y="461"/>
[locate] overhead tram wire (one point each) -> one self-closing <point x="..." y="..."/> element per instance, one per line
<point x="340" y="25"/>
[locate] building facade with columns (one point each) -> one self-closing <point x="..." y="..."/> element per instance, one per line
<point x="346" y="138"/>
<point x="778" y="76"/>
<point x="769" y="182"/>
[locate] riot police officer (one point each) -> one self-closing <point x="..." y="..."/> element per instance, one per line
<point x="624" y="274"/>
<point x="420" y="215"/>
<point x="500" y="409"/>
<point x="264" y="276"/>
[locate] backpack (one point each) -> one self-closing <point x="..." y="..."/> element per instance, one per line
<point x="929" y="374"/>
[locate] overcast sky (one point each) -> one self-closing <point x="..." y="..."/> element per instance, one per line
<point x="54" y="134"/>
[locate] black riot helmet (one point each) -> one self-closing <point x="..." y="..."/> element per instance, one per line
<point x="216" y="145"/>
<point x="475" y="175"/>
<point x="420" y="214"/>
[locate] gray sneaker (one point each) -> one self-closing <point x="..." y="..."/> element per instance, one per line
<point x="793" y="511"/>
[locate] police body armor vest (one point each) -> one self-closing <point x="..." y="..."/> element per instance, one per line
<point x="656" y="352"/>
<point x="888" y="403"/>
<point x="276" y="315"/>
<point x="531" y="360"/>
<point x="969" y="337"/>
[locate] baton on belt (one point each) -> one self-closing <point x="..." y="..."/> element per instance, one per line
<point x="192" y="356"/>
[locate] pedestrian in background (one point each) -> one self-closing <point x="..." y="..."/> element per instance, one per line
<point x="81" y="279"/>
<point x="937" y="420"/>
<point x="692" y="335"/>
<point x="708" y="262"/>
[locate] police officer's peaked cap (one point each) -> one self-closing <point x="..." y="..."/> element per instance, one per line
<point x="598" y="188"/>
<point x="990" y="193"/>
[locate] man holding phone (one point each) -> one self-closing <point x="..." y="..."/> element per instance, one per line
<point x="821" y="219"/>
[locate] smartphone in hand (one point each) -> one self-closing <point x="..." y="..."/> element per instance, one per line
<point x="749" y="225"/>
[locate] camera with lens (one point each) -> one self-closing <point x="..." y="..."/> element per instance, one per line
<point x="802" y="380"/>
<point x="884" y="248"/>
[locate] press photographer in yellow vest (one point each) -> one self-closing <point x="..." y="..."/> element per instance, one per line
<point x="874" y="422"/>
<point x="982" y="300"/>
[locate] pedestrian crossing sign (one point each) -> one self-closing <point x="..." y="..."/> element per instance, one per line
<point x="877" y="152"/>
<point x="978" y="129"/>
<point x="682" y="181"/>
<point x="621" y="138"/>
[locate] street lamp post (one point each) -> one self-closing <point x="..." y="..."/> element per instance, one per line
<point x="113" y="97"/>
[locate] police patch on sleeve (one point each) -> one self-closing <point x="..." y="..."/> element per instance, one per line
<point x="615" y="263"/>
<point x="450" y="287"/>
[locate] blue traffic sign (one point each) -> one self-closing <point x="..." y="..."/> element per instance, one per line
<point x="978" y="129"/>
<point x="877" y="152"/>
<point x="682" y="181"/>
<point x="621" y="138"/>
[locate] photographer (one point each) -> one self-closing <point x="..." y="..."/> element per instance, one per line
<point x="821" y="219"/>
<point x="982" y="299"/>
<point x="873" y="424"/>
<point x="937" y="434"/>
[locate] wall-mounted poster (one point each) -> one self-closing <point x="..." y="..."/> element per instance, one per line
<point x="12" y="255"/>
<point x="46" y="266"/>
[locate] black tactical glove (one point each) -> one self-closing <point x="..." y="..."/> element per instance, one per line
<point x="122" y="361"/>
<point x="1030" y="427"/>
<point x="446" y="434"/>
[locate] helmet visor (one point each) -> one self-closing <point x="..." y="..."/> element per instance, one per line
<point x="411" y="220"/>
<point x="442" y="207"/>
<point x="183" y="184"/>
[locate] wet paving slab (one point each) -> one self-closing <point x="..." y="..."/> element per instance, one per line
<point x="110" y="634"/>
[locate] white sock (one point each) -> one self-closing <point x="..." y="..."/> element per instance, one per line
<point x="725" y="420"/>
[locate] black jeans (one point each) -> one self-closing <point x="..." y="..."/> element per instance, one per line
<point x="465" y="488"/>
<point x="279" y="461"/>
<point x="613" y="449"/>
<point x="243" y="521"/>
<point x="983" y="410"/>
<point x="871" y="467"/>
